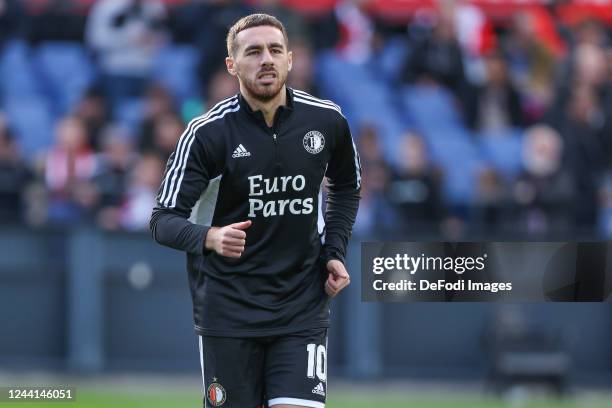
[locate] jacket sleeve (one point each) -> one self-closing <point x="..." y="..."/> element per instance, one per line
<point x="344" y="185"/>
<point x="189" y="169"/>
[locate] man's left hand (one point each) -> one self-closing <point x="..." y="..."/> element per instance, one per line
<point x="338" y="278"/>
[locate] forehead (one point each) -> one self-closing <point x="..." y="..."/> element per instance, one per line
<point x="259" y="36"/>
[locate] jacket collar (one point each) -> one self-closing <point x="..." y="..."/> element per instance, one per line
<point x="281" y="109"/>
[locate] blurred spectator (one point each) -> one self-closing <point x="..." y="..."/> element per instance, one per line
<point x="605" y="205"/>
<point x="588" y="32"/>
<point x="437" y="59"/>
<point x="11" y="18"/>
<point x="376" y="215"/>
<point x="356" y="31"/>
<point x="158" y="102"/>
<point x="503" y="79"/>
<point x="607" y="106"/>
<point x="491" y="199"/>
<point x="296" y="28"/>
<point x="70" y="166"/>
<point x="167" y="130"/>
<point x="414" y="188"/>
<point x="589" y="67"/>
<point x="592" y="32"/>
<point x="474" y="33"/>
<point x="370" y="152"/>
<point x="113" y="167"/>
<point x="141" y="192"/>
<point x="494" y="106"/>
<point x="14" y="177"/>
<point x="531" y="64"/>
<point x="207" y="22"/>
<point x="544" y="193"/>
<point x="584" y="129"/>
<point x="222" y="86"/>
<point x="59" y="20"/>
<point x="302" y="72"/>
<point x="471" y="25"/>
<point x="125" y="34"/>
<point x="93" y="111"/>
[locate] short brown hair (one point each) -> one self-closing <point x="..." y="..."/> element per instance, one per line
<point x="253" y="20"/>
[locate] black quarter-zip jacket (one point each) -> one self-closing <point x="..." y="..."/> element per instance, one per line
<point x="229" y="166"/>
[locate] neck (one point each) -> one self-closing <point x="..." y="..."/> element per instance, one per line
<point x="269" y="107"/>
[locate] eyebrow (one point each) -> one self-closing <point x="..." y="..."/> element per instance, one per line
<point x="258" y="47"/>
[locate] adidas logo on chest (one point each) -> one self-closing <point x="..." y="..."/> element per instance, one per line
<point x="240" y="151"/>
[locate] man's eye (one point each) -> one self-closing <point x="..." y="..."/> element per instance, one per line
<point x="253" y="52"/>
<point x="277" y="51"/>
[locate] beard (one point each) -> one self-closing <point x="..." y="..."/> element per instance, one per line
<point x="265" y="93"/>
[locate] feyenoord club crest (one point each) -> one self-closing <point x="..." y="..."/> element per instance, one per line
<point x="215" y="394"/>
<point x="314" y="142"/>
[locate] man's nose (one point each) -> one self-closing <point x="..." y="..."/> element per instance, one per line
<point x="266" y="57"/>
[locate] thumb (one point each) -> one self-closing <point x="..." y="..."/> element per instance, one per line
<point x="336" y="268"/>
<point x="242" y="225"/>
<point x="331" y="266"/>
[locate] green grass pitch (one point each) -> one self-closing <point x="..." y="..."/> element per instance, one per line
<point x="156" y="399"/>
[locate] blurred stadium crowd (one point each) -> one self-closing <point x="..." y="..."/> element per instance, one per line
<point x="471" y="117"/>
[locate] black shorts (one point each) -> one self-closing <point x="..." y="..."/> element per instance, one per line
<point x="263" y="372"/>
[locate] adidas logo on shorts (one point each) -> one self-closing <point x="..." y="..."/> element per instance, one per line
<point x="319" y="390"/>
<point x="240" y="151"/>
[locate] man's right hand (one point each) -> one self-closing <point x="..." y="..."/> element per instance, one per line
<point x="228" y="241"/>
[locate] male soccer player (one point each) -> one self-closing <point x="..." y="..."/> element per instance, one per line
<point x="242" y="196"/>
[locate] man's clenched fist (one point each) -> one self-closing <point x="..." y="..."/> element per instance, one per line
<point x="228" y="241"/>
<point x="337" y="279"/>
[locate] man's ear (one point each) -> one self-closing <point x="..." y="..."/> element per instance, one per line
<point x="290" y="60"/>
<point x="229" y="64"/>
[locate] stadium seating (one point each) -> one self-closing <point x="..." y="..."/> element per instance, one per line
<point x="365" y="100"/>
<point x="65" y="71"/>
<point x="430" y="107"/>
<point x="16" y="74"/>
<point x="503" y="151"/>
<point x="390" y="60"/>
<point x="454" y="150"/>
<point x="33" y="122"/>
<point x="129" y="113"/>
<point x="175" y="68"/>
<point x="429" y="111"/>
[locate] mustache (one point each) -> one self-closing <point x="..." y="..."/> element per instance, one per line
<point x="264" y="71"/>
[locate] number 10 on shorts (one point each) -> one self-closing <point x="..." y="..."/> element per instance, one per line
<point x="317" y="361"/>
